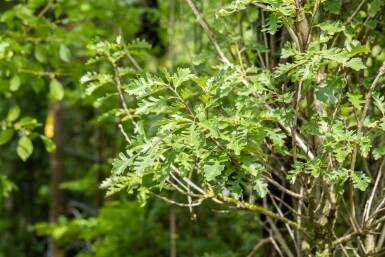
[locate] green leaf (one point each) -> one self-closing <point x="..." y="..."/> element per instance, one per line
<point x="40" y="53"/>
<point x="234" y="6"/>
<point x="379" y="151"/>
<point x="365" y="148"/>
<point x="120" y="165"/>
<point x="28" y="123"/>
<point x="144" y="86"/>
<point x="374" y="7"/>
<point x="64" y="53"/>
<point x="143" y="194"/>
<point x="211" y="171"/>
<point x="288" y="50"/>
<point x="200" y="58"/>
<point x="356" y="100"/>
<point x="235" y="188"/>
<point x="6" y="135"/>
<point x="274" y="22"/>
<point x="48" y="143"/>
<point x="333" y="6"/>
<point x="8" y="15"/>
<point x="340" y="154"/>
<point x="261" y="187"/>
<point x="211" y="126"/>
<point x="24" y="148"/>
<point x="181" y="76"/>
<point x="360" y="180"/>
<point x="6" y="186"/>
<point x="355" y="47"/>
<point x="238" y="140"/>
<point x="331" y="27"/>
<point x="356" y="64"/>
<point x="14" y="83"/>
<point x="326" y="94"/>
<point x="219" y="25"/>
<point x="37" y="84"/>
<point x="34" y="4"/>
<point x="56" y="91"/>
<point x="379" y="102"/>
<point x="13" y="113"/>
<point x="153" y="105"/>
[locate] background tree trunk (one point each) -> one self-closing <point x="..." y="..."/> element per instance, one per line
<point x="56" y="201"/>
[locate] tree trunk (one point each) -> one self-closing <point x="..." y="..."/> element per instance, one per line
<point x="56" y="201"/>
<point x="172" y="227"/>
<point x="99" y="158"/>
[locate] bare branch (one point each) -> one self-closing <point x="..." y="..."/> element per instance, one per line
<point x="259" y="245"/>
<point x="196" y="203"/>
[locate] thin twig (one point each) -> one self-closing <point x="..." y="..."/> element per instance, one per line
<point x="368" y="204"/>
<point x="359" y="129"/>
<point x="282" y="188"/>
<point x="197" y="203"/>
<point x="355" y="12"/>
<point x="124" y="133"/>
<point x="258" y="246"/>
<point x="289" y="229"/>
<point x="204" y="25"/>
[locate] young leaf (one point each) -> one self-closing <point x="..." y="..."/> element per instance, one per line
<point x="49" y="145"/>
<point x="24" y="148"/>
<point x="56" y="91"/>
<point x="14" y="83"/>
<point x="6" y="135"/>
<point x="64" y="53"/>
<point x="13" y="113"/>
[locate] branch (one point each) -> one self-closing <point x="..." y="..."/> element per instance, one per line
<point x="345" y="238"/>
<point x="282" y="188"/>
<point x="257" y="208"/>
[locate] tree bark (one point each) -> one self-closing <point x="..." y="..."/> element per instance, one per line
<point x="99" y="158"/>
<point x="56" y="201"/>
<point x="172" y="228"/>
